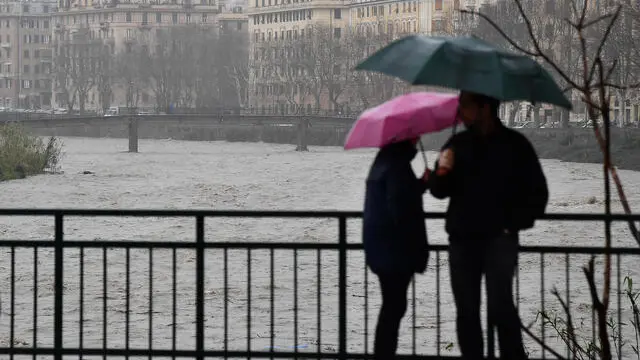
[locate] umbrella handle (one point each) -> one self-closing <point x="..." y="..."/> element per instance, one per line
<point x="424" y="156"/>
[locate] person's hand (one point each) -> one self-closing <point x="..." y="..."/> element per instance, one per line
<point x="426" y="174"/>
<point x="445" y="162"/>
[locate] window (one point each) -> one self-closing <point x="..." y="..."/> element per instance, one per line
<point x="46" y="24"/>
<point x="337" y="33"/>
<point x="158" y="18"/>
<point x="239" y="25"/>
<point x="337" y="13"/>
<point x="128" y="17"/>
<point x="145" y="18"/>
<point x="25" y="54"/>
<point x="188" y="18"/>
<point x="174" y="18"/>
<point x="204" y="18"/>
<point x="438" y="4"/>
<point x="25" y="69"/>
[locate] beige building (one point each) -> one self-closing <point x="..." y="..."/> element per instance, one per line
<point x="287" y="56"/>
<point x="111" y="28"/>
<point x="25" y="55"/>
<point x="392" y="18"/>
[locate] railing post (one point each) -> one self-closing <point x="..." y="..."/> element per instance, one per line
<point x="58" y="285"/>
<point x="133" y="133"/>
<point x="200" y="287"/>
<point x="342" y="286"/>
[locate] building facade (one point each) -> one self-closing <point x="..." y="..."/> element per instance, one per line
<point x="113" y="28"/>
<point x="25" y="54"/>
<point x="289" y="54"/>
<point x="392" y="18"/>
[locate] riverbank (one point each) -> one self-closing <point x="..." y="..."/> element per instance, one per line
<point x="23" y="154"/>
<point x="573" y="145"/>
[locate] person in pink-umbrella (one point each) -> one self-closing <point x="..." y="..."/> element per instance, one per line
<point x="394" y="236"/>
<point x="496" y="188"/>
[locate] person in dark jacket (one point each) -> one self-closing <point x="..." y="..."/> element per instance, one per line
<point x="496" y="187"/>
<point x="394" y="236"/>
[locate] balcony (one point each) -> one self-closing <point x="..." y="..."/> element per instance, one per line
<point x="5" y="45"/>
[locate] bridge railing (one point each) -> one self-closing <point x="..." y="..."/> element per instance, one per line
<point x="65" y="298"/>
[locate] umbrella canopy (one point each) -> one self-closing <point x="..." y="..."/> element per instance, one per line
<point x="468" y="64"/>
<point x="404" y="117"/>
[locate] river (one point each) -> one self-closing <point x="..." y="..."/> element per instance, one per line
<point x="167" y="174"/>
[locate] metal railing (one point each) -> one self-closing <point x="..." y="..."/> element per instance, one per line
<point x="207" y="343"/>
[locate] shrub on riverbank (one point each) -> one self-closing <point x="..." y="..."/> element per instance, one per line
<point x="22" y="154"/>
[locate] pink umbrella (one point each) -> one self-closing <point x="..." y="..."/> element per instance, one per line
<point x="404" y="117"/>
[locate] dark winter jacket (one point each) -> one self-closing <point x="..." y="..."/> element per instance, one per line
<point x="496" y="184"/>
<point x="394" y="231"/>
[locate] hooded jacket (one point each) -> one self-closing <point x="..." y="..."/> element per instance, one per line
<point x="394" y="231"/>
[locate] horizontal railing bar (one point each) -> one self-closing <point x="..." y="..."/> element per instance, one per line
<point x="211" y="353"/>
<point x="276" y="214"/>
<point x="182" y="213"/>
<point x="124" y="244"/>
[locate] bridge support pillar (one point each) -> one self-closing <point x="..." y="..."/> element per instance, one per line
<point x="303" y="127"/>
<point x="133" y="134"/>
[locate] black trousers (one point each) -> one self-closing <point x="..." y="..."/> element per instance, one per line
<point x="496" y="258"/>
<point x="394" y="305"/>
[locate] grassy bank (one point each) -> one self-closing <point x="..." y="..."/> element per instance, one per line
<point x="23" y="154"/>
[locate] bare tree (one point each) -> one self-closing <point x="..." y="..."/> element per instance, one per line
<point x="105" y="77"/>
<point x="131" y="73"/>
<point x="290" y="75"/>
<point x="554" y="36"/>
<point x="233" y="67"/>
<point x="372" y="88"/>
<point x="623" y="48"/>
<point x="76" y="64"/>
<point x="159" y="66"/>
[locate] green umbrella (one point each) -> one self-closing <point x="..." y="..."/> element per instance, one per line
<point x="469" y="64"/>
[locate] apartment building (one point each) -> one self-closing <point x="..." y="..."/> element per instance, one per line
<point x="392" y="18"/>
<point x="25" y="54"/>
<point x="114" y="27"/>
<point x="283" y="35"/>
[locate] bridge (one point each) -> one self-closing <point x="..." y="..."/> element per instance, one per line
<point x="301" y="129"/>
<point x="337" y="324"/>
